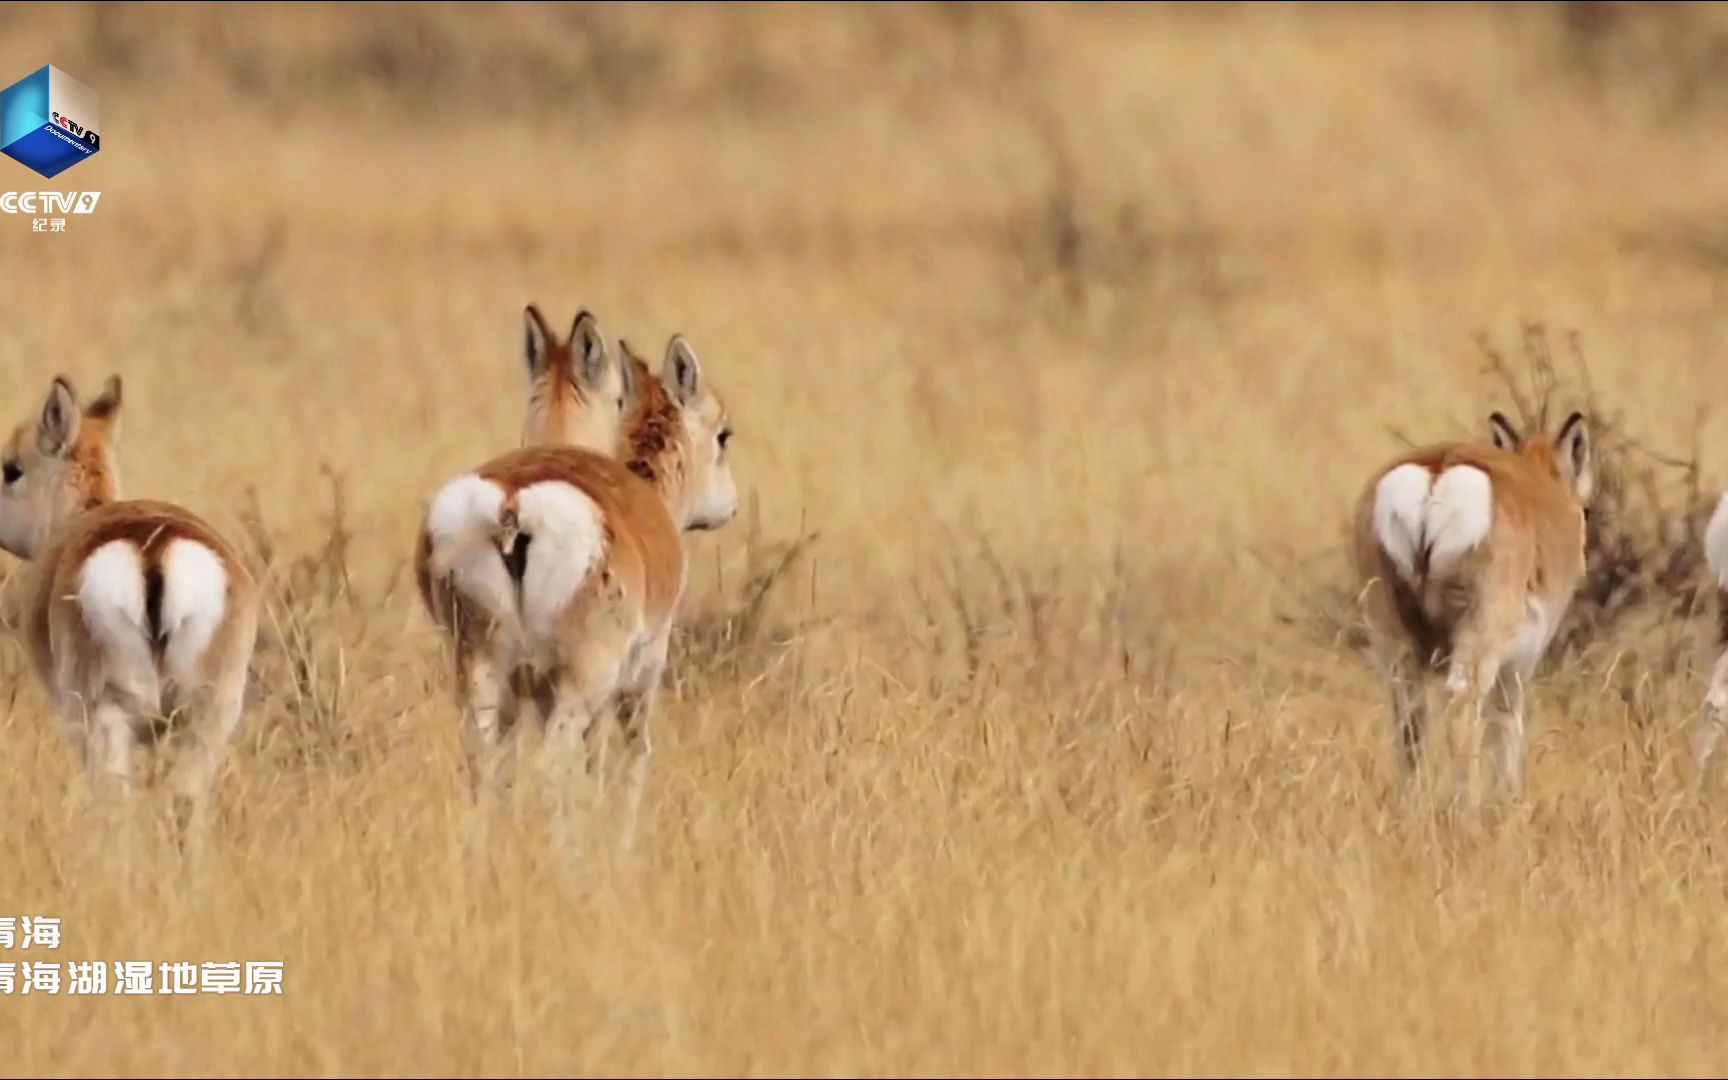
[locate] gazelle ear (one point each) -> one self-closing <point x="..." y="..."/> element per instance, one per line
<point x="538" y="341"/>
<point x="1505" y="436"/>
<point x="631" y="371"/>
<point x="107" y="403"/>
<point x="57" y="429"/>
<point x="105" y="410"/>
<point x="588" y="347"/>
<point x="639" y="378"/>
<point x="1577" y="461"/>
<point x="682" y="372"/>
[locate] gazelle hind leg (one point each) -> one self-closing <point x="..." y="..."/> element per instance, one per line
<point x="1406" y="679"/>
<point x="635" y="716"/>
<point x="113" y="738"/>
<point x="635" y="719"/>
<point x="489" y="710"/>
<point x="1480" y="654"/>
<point x="565" y="761"/>
<point x="582" y="698"/>
<point x="545" y="694"/>
<point x="197" y="750"/>
<point x="208" y="731"/>
<point x="1467" y="685"/>
<point x="1715" y="719"/>
<point x="110" y="740"/>
<point x="1409" y="707"/>
<point x="1507" y="733"/>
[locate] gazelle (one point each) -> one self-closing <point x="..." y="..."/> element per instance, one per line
<point x="1468" y="556"/>
<point x="134" y="609"/>
<point x="1716" y="697"/>
<point x="576" y="393"/>
<point x="558" y="571"/>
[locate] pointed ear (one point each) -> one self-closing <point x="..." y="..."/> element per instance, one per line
<point x="1505" y="436"/>
<point x="588" y="348"/>
<point x="105" y="410"/>
<point x="538" y="340"/>
<point x="107" y="403"/>
<point x="637" y="374"/>
<point x="682" y="372"/>
<point x="631" y="369"/>
<point x="57" y="429"/>
<point x="1577" y="461"/>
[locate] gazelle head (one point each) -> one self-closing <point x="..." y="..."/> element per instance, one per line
<point x="576" y="391"/>
<point x="59" y="461"/>
<point x="679" y="437"/>
<point x="1566" y="455"/>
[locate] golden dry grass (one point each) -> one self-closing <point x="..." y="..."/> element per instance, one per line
<point x="1063" y="336"/>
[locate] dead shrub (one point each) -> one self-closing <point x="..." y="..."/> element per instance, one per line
<point x="732" y="634"/>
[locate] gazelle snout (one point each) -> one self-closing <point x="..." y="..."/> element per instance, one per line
<point x="717" y="503"/>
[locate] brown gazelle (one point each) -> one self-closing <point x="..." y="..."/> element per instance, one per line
<point x="1709" y="733"/>
<point x="1468" y="557"/>
<point x="557" y="572"/>
<point x="139" y="617"/>
<point x="575" y="391"/>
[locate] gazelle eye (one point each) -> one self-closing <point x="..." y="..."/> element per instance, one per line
<point x="725" y="437"/>
<point x="12" y="472"/>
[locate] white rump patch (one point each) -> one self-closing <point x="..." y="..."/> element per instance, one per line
<point x="1460" y="509"/>
<point x="1717" y="696"/>
<point x="194" y="603"/>
<point x="462" y="524"/>
<point x="111" y="600"/>
<point x="567" y="543"/>
<point x="1445" y="517"/>
<point x="1399" y="502"/>
<point x="1716" y="542"/>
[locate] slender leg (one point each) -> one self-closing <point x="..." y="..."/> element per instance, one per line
<point x="112" y="739"/>
<point x="1709" y="731"/>
<point x="1509" y="733"/>
<point x="1467" y="684"/>
<point x="1410" y="715"/>
<point x="1458" y="725"/>
<point x="564" y="754"/>
<point x="199" y="755"/>
<point x="1404" y="678"/>
<point x="488" y="716"/>
<point x="635" y="708"/>
<point x="189" y="780"/>
<point x="635" y="720"/>
<point x="80" y="735"/>
<point x="544" y="691"/>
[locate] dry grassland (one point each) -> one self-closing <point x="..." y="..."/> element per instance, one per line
<point x="1015" y="728"/>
